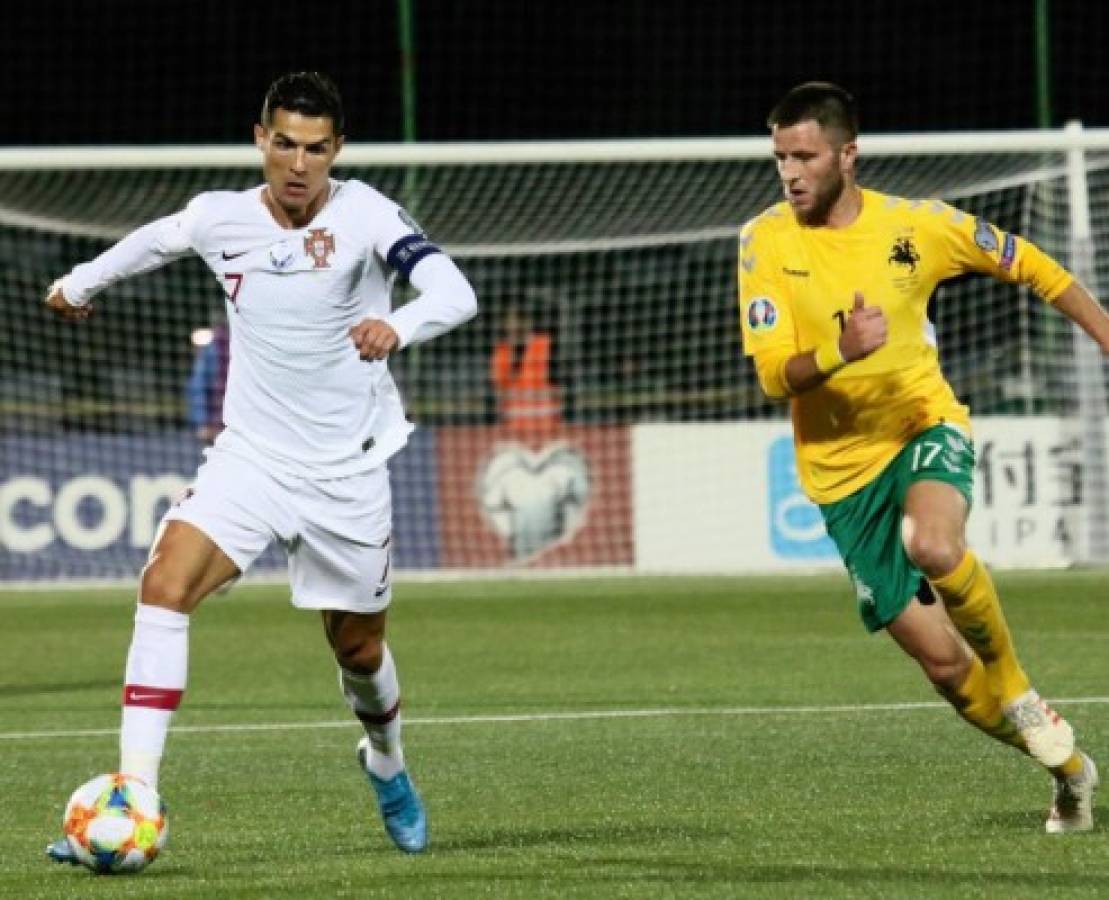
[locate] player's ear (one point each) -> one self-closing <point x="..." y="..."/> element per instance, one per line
<point x="848" y="154"/>
<point x="259" y="136"/>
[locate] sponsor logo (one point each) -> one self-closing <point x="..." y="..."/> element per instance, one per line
<point x="796" y="273"/>
<point x="319" y="245"/>
<point x="230" y="256"/>
<point x="984" y="236"/>
<point x="383" y="582"/>
<point x="904" y="253"/>
<point x="86" y="512"/>
<point x="762" y="314"/>
<point x="796" y="525"/>
<point x="864" y="594"/>
<point x="152" y="697"/>
<point x="534" y="500"/>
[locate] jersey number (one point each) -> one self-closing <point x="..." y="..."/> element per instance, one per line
<point x="924" y="454"/>
<point x="236" y="279"/>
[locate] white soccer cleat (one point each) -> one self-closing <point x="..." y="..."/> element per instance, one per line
<point x="1048" y="736"/>
<point x="1072" y="807"/>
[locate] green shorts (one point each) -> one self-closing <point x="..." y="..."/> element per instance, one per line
<point x="866" y="526"/>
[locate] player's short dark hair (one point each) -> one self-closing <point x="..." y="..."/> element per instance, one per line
<point x="308" y="93"/>
<point x="822" y="102"/>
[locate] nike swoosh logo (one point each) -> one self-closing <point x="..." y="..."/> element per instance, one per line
<point x="136" y="696"/>
<point x="227" y="255"/>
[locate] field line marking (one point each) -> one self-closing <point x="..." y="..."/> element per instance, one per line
<point x="659" y="713"/>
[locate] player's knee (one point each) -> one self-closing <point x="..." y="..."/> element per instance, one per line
<point x="162" y="585"/>
<point x="934" y="554"/>
<point x="362" y="653"/>
<point x="946" y="672"/>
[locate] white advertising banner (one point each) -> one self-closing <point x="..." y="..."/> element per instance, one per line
<point x="724" y="497"/>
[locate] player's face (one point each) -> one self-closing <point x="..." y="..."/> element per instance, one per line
<point x="814" y="169"/>
<point x="297" y="153"/>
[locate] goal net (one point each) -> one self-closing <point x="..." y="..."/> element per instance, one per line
<point x="645" y="445"/>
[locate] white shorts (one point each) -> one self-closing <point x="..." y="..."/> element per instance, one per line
<point x="335" y="532"/>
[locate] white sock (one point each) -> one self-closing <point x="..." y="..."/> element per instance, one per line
<point x="157" y="666"/>
<point x="375" y="700"/>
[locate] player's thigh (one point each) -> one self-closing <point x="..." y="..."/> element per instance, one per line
<point x="866" y="529"/>
<point x="935" y="474"/>
<point x="342" y="556"/>
<point x="185" y="565"/>
<point x="237" y="507"/>
<point x="934" y="524"/>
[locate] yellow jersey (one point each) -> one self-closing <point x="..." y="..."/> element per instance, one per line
<point x="797" y="287"/>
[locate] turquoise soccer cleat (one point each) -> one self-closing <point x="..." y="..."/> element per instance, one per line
<point x="400" y="805"/>
<point x="61" y="852"/>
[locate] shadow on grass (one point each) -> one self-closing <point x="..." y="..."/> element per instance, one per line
<point x="57" y="687"/>
<point x="799" y="877"/>
<point x="596" y="835"/>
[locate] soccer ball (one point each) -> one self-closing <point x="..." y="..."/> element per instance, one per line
<point x="115" y="823"/>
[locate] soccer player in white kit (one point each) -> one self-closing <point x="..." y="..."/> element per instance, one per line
<point x="312" y="415"/>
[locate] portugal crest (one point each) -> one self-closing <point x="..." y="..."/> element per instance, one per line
<point x="319" y="245"/>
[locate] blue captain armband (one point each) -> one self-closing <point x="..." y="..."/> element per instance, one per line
<point x="408" y="251"/>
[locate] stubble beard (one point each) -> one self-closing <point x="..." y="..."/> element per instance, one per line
<point x="825" y="201"/>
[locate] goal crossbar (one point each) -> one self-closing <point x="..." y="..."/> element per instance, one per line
<point x="516" y="152"/>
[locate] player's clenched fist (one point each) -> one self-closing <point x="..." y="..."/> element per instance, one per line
<point x="866" y="330"/>
<point x="62" y="308"/>
<point x="374" y="338"/>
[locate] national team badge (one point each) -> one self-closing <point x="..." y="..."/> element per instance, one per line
<point x="904" y="253"/>
<point x="762" y="314"/>
<point x="319" y="245"/>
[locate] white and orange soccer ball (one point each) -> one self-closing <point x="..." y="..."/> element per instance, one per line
<point x="116" y="823"/>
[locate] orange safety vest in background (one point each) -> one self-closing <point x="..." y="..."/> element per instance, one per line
<point x="526" y="397"/>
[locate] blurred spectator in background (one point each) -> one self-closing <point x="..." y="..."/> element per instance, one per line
<point x="528" y="400"/>
<point x="204" y="389"/>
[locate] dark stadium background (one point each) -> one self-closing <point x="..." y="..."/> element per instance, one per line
<point x="194" y="72"/>
<point x="134" y="71"/>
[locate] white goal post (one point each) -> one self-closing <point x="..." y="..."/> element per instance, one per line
<point x="665" y="456"/>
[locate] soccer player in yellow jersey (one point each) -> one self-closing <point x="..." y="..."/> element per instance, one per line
<point x="834" y="285"/>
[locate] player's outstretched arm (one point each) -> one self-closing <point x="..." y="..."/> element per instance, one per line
<point x="144" y="249"/>
<point x="865" y="331"/>
<point x="1082" y="308"/>
<point x="62" y="308"/>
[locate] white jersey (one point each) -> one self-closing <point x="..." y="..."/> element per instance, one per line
<point x="298" y="395"/>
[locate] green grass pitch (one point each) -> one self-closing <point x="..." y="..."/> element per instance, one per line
<point x="662" y="737"/>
